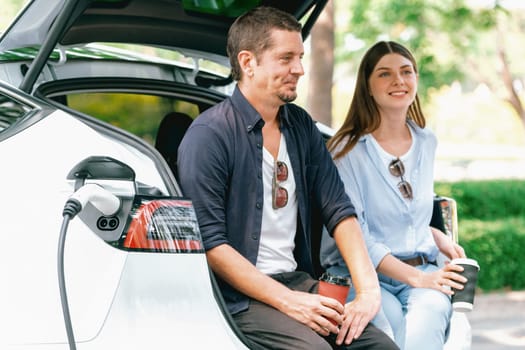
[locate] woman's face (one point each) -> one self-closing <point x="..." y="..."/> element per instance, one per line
<point x="393" y="83"/>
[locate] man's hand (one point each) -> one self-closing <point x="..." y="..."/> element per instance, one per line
<point x="314" y="310"/>
<point x="350" y="242"/>
<point x="358" y="313"/>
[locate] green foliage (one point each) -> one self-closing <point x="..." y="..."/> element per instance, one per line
<point x="498" y="247"/>
<point x="140" y="114"/>
<point x="491" y="220"/>
<point x="438" y="32"/>
<point x="486" y="200"/>
<point x="125" y="111"/>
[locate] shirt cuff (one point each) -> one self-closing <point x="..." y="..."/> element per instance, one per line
<point x="377" y="253"/>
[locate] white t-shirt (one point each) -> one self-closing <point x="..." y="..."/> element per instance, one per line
<point x="278" y="225"/>
<point x="408" y="160"/>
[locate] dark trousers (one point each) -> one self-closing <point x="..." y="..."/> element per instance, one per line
<point x="267" y="328"/>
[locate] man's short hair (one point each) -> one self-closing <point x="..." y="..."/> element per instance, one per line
<point x="251" y="32"/>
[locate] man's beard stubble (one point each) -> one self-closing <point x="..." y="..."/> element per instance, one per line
<point x="288" y="97"/>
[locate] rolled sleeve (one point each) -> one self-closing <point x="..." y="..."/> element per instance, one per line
<point x="204" y="181"/>
<point x="377" y="252"/>
<point x="328" y="187"/>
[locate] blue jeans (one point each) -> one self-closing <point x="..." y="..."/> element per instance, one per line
<point x="416" y="318"/>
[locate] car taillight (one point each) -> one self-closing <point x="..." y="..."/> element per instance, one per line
<point x="162" y="225"/>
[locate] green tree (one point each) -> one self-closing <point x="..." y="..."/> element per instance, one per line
<point x="438" y="32"/>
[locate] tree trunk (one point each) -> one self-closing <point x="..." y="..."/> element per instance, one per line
<point x="506" y="76"/>
<point x="513" y="99"/>
<point x="319" y="102"/>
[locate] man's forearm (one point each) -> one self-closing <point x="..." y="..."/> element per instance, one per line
<point x="349" y="239"/>
<point x="242" y="275"/>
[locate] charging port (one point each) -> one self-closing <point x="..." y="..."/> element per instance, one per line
<point x="107" y="223"/>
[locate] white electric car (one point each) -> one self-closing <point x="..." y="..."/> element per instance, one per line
<point x="101" y="251"/>
<point x="100" y="248"/>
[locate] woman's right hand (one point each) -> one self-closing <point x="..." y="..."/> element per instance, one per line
<point x="443" y="279"/>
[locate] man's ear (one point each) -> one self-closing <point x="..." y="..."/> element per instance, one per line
<point x="246" y="62"/>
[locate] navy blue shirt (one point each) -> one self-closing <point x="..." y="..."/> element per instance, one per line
<point x="220" y="170"/>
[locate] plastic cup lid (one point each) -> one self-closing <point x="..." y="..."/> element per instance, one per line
<point x="465" y="261"/>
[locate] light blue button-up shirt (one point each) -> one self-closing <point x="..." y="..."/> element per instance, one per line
<point x="390" y="223"/>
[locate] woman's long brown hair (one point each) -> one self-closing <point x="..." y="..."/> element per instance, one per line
<point x="363" y="116"/>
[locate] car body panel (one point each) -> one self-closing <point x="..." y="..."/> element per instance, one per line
<point x="120" y="290"/>
<point x="27" y="30"/>
<point x="162" y="23"/>
<point x="170" y="23"/>
<point x="172" y="307"/>
<point x="95" y="60"/>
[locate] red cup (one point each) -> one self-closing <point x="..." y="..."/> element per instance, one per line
<point x="335" y="287"/>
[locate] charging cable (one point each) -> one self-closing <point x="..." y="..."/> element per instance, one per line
<point x="108" y="204"/>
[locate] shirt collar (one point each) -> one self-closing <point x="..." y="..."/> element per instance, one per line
<point x="413" y="127"/>
<point x="251" y="117"/>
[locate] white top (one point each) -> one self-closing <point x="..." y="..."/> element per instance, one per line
<point x="278" y="225"/>
<point x="408" y="159"/>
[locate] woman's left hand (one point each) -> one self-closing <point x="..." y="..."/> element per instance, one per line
<point x="446" y="245"/>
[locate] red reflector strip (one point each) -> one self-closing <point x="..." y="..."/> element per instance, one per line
<point x="163" y="225"/>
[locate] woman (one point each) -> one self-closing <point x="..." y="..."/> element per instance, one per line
<point x="385" y="157"/>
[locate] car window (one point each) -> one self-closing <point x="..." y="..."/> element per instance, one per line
<point x="10" y="111"/>
<point x="139" y="114"/>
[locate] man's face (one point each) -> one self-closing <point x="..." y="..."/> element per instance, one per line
<point x="277" y="70"/>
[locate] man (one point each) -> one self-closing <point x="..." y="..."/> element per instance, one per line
<point x="254" y="165"/>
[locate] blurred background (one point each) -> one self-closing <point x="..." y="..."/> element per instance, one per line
<point x="471" y="74"/>
<point x="472" y="77"/>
